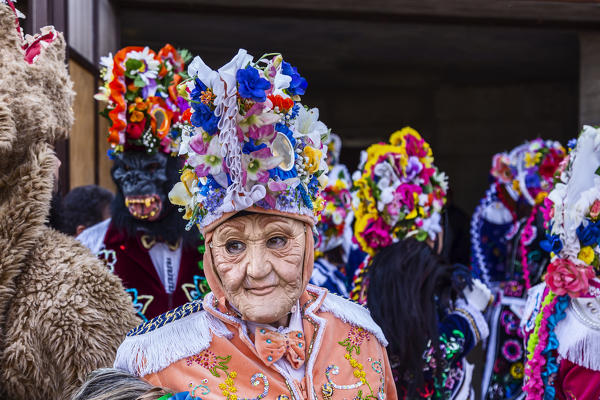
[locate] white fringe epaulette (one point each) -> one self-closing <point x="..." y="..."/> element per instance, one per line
<point x="352" y="313"/>
<point x="168" y="338"/>
<point x="578" y="342"/>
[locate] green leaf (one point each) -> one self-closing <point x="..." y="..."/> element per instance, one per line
<point x="185" y="54"/>
<point x="130" y="96"/>
<point x="597" y="171"/>
<point x="421" y="236"/>
<point x="132" y="64"/>
<point x="138" y="82"/>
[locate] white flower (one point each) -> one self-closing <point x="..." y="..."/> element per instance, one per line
<point x="108" y="63"/>
<point x="307" y="124"/>
<point x="432" y="225"/>
<point x="150" y="65"/>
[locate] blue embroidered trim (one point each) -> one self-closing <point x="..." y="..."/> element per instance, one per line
<point x="168" y="317"/>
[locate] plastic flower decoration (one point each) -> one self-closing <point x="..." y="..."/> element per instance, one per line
<point x="252" y="144"/>
<point x="399" y="192"/>
<point x="140" y="89"/>
<point x="335" y="222"/>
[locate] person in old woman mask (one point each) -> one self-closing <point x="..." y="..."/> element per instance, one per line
<point x="255" y="167"/>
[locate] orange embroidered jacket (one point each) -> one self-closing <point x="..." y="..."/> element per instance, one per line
<point x="206" y="350"/>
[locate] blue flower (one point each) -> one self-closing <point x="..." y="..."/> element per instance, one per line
<point x="250" y="147"/>
<point x="202" y="115"/>
<point x="211" y="185"/>
<point x="532" y="180"/>
<point x="298" y="84"/>
<point x="305" y="197"/>
<point x="251" y="85"/>
<point x="590" y="234"/>
<point x="572" y="143"/>
<point x="552" y="243"/>
<point x="205" y="118"/>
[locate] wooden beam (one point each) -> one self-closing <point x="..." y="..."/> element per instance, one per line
<point x="500" y="11"/>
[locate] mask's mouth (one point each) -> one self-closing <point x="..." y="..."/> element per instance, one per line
<point x="146" y="207"/>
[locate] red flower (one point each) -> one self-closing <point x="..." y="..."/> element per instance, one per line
<point x="135" y="130"/>
<point x="564" y="277"/>
<point x="186" y="115"/>
<point x="284" y="104"/>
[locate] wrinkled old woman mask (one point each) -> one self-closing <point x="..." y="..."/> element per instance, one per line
<point x="259" y="260"/>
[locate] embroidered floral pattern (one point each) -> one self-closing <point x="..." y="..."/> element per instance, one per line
<point x="210" y="361"/>
<point x="356" y="336"/>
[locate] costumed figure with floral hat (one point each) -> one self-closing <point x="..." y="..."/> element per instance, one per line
<point x="255" y="168"/>
<point x="145" y="242"/>
<point x="562" y="316"/>
<point x="506" y="231"/>
<point x="430" y="311"/>
<point x="334" y="228"/>
<point x="63" y="314"/>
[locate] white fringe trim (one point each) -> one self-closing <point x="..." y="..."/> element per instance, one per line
<point x="352" y="313"/>
<point x="578" y="343"/>
<point x="154" y="351"/>
<point x="480" y="325"/>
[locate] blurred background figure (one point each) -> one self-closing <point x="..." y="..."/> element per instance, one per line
<point x="335" y="234"/>
<point x="83" y="207"/>
<point x="429" y="309"/>
<point x="145" y="243"/>
<point x="506" y="231"/>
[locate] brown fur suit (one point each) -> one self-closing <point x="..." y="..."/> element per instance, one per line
<point x="62" y="314"/>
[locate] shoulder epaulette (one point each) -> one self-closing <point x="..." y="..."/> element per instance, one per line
<point x="166" y="318"/>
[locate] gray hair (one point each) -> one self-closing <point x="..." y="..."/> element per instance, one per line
<point x="114" y="384"/>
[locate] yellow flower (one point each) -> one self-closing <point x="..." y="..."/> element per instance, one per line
<point x="233" y="374"/>
<point x="233" y="397"/>
<point x="222" y="386"/>
<point x="233" y="389"/>
<point x="357" y="373"/>
<point x="586" y="254"/>
<point x="360" y="366"/>
<point x="540" y="197"/>
<point x="314" y="159"/>
<point x="229" y="382"/>
<point x="188" y="177"/>
<point x="397" y="138"/>
<point x="353" y="363"/>
<point x="531" y="159"/>
<point x="363" y="374"/>
<point x="516" y="186"/>
<point x="347" y="356"/>
<point x="136" y="116"/>
<point x="363" y="380"/>
<point x="179" y="195"/>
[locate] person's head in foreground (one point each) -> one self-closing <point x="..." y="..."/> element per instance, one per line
<point x="255" y="167"/>
<point x="411" y="291"/>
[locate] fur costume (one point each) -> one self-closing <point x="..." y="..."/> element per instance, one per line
<point x="56" y="299"/>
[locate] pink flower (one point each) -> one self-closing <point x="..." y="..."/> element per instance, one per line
<point x="406" y="196"/>
<point x="564" y="277"/>
<point x="377" y="234"/>
<point x="595" y="209"/>
<point x="501" y="168"/>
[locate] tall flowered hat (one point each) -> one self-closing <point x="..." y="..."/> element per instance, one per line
<point x="253" y="144"/>
<point x="140" y="88"/>
<point x="399" y="192"/>
<point x="335" y="223"/>
<point x="573" y="239"/>
<point x="525" y="175"/>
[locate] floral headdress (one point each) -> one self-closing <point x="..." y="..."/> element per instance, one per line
<point x="399" y="192"/>
<point x="572" y="210"/>
<point x="253" y="143"/>
<point x="335" y="223"/>
<point x="140" y="87"/>
<point x="527" y="172"/>
<point x="527" y="175"/>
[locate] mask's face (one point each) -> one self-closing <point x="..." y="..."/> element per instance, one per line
<point x="259" y="259"/>
<point x="141" y="178"/>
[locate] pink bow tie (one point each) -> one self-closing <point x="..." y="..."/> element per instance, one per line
<point x="272" y="345"/>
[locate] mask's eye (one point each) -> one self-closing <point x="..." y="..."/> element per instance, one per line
<point x="277" y="242"/>
<point x="235" y="247"/>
